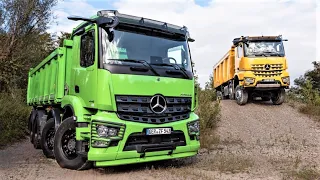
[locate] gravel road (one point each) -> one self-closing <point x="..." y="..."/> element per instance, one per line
<point x="257" y="141"/>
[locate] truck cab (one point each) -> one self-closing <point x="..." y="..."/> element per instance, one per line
<point x="126" y="94"/>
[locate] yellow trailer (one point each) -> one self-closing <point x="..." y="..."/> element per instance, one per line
<point x="254" y="66"/>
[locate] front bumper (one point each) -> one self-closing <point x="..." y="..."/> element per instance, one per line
<point x="261" y="82"/>
<point x="116" y="155"/>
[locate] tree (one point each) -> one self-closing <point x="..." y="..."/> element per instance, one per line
<point x="209" y="84"/>
<point x="25" y="42"/>
<point x="312" y="75"/>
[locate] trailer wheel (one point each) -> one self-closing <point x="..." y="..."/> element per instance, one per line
<point x="30" y="124"/>
<point x="219" y="96"/>
<point x="64" y="147"/>
<point x="231" y="93"/>
<point x="47" y="138"/>
<point x="241" y="95"/>
<point x="36" y="133"/>
<point x="278" y="99"/>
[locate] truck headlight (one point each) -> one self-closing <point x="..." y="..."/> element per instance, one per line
<point x="194" y="127"/>
<point x="105" y="131"/>
<point x="248" y="80"/>
<point x="286" y="79"/>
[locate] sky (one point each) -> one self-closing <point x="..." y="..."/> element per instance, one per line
<point x="215" y="23"/>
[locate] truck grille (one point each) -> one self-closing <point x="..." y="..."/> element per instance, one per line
<point x="261" y="71"/>
<point x="137" y="108"/>
<point x="176" y="138"/>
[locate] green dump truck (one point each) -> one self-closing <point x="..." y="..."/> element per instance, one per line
<point x="121" y="90"/>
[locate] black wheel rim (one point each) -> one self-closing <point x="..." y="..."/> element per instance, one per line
<point x="69" y="144"/>
<point x="50" y="138"/>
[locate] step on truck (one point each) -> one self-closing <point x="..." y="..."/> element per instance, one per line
<point x="254" y="67"/>
<point x="121" y="90"/>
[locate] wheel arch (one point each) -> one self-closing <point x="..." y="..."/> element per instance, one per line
<point x="73" y="106"/>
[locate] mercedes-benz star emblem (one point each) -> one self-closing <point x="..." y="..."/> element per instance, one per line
<point x="267" y="66"/>
<point x="158" y="104"/>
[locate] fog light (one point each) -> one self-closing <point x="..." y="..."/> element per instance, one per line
<point x="249" y="80"/>
<point x="286" y="79"/>
<point x="194" y="127"/>
<point x="100" y="144"/>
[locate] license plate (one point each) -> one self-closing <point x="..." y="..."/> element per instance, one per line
<point x="157" y="131"/>
<point x="268" y="80"/>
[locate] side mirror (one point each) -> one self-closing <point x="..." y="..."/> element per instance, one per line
<point x="107" y="22"/>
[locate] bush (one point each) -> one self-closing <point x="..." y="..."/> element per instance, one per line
<point x="209" y="113"/>
<point x="13" y="117"/>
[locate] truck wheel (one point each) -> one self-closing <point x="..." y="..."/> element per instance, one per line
<point x="30" y="125"/>
<point x="219" y="95"/>
<point x="278" y="99"/>
<point x="241" y="96"/>
<point x="231" y="93"/>
<point x="64" y="148"/>
<point x="47" y="138"/>
<point x="36" y="133"/>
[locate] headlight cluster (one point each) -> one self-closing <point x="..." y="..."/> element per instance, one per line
<point x="249" y="80"/>
<point x="105" y="131"/>
<point x="286" y="80"/>
<point x="194" y="127"/>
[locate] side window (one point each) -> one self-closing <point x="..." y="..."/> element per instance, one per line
<point x="240" y="51"/>
<point x="87" y="49"/>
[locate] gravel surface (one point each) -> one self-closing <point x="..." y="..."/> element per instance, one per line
<point x="257" y="141"/>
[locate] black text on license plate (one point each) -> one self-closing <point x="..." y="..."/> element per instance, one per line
<point x="268" y="80"/>
<point x="156" y="131"/>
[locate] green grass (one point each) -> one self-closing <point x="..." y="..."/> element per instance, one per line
<point x="13" y="118"/>
<point x="303" y="174"/>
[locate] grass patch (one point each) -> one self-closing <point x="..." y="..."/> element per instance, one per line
<point x="303" y="174"/>
<point x="13" y="118"/>
<point x="310" y="109"/>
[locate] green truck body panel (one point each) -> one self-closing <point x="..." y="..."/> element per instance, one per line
<point x="91" y="92"/>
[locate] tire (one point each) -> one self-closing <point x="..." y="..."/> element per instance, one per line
<point x="47" y="139"/>
<point x="30" y="124"/>
<point x="36" y="133"/>
<point x="231" y="93"/>
<point x="64" y="148"/>
<point x="241" y="96"/>
<point x="219" y="96"/>
<point x="279" y="98"/>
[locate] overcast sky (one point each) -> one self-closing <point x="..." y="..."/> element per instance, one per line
<point x="214" y="24"/>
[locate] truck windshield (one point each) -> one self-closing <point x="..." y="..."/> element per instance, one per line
<point x="264" y="48"/>
<point x="147" y="46"/>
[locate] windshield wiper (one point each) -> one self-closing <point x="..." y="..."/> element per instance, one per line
<point x="145" y="63"/>
<point x="272" y="53"/>
<point x="177" y="67"/>
<point x="260" y="54"/>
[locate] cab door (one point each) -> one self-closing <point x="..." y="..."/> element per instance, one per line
<point x="85" y="85"/>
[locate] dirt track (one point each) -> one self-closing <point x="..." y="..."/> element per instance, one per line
<point x="257" y="141"/>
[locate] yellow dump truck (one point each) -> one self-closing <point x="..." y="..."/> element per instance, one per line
<point x="254" y="67"/>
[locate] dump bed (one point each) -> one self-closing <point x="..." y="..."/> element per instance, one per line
<point x="46" y="81"/>
<point x="224" y="70"/>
